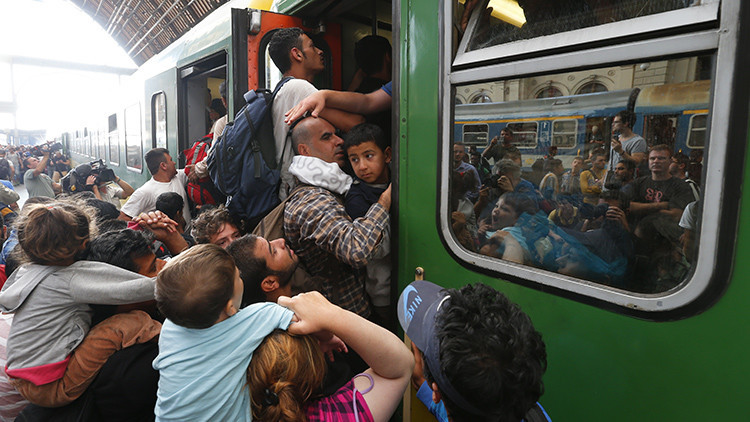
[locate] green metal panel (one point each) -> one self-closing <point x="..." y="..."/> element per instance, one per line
<point x="602" y="365"/>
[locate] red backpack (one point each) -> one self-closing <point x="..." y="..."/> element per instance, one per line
<point x="203" y="191"/>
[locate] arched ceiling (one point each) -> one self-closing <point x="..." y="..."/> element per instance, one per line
<point x="143" y="28"/>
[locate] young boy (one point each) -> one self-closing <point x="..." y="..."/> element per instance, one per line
<point x="207" y="342"/>
<point x="369" y="154"/>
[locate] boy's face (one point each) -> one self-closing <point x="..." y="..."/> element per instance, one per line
<point x="239" y="287"/>
<point x="370" y="163"/>
<point x="227" y="234"/>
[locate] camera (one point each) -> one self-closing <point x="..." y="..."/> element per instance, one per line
<point x="48" y="147"/>
<point x="491" y="182"/>
<point x="75" y="181"/>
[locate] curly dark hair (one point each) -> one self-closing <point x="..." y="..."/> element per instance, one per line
<point x="491" y="353"/>
<point x="209" y="223"/>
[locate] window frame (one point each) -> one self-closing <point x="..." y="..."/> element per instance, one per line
<point x="128" y="135"/>
<point x="575" y="133"/>
<point x="690" y="131"/>
<point x="696" y="30"/>
<point x="516" y="133"/>
<point x="485" y="132"/>
<point x="154" y="123"/>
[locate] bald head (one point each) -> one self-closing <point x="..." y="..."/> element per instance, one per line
<point x="316" y="137"/>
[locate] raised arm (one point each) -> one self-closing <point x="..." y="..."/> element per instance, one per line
<point x="352" y="102"/>
<point x="390" y="361"/>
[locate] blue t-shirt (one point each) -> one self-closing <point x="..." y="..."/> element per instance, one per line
<point x="202" y="372"/>
<point x="388" y="88"/>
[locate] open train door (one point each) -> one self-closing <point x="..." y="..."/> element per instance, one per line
<point x="253" y="68"/>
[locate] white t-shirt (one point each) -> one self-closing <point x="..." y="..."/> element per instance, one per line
<point x="111" y="193"/>
<point x="288" y="96"/>
<point x="203" y="372"/>
<point x="144" y="198"/>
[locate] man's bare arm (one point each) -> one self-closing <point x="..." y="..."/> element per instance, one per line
<point x="353" y="102"/>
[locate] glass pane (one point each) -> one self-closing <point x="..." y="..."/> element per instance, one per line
<point x="580" y="210"/>
<point x="160" y="120"/>
<point x="512" y="20"/>
<point x="133" y="147"/>
<point x="113" y="138"/>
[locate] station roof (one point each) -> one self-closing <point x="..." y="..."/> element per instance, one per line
<point x="143" y="28"/>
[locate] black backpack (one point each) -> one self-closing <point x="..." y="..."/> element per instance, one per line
<point x="243" y="164"/>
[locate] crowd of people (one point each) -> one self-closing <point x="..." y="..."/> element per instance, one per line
<point x="624" y="217"/>
<point x="158" y="310"/>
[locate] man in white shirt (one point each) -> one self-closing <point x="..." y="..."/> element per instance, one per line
<point x="165" y="178"/>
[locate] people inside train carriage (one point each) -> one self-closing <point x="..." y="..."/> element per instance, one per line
<point x="570" y="181"/>
<point x="678" y="169"/>
<point x="207" y="341"/>
<point x="331" y="246"/>
<point x="507" y="178"/>
<point x="461" y="166"/>
<point x="550" y="184"/>
<point x="656" y="208"/>
<point x="463" y="211"/>
<point x="296" y="56"/>
<point x="217" y="226"/>
<point x="372" y="54"/>
<point x="481" y="164"/>
<point x="592" y="180"/>
<point x="627" y="144"/>
<point x="164" y="178"/>
<point x="624" y="176"/>
<point x="477" y="354"/>
<point x="369" y="154"/>
<point x="289" y="389"/>
<point x="497" y="151"/>
<point x="54" y="355"/>
<point x="494" y="231"/>
<point x="37" y="182"/>
<point x="595" y="139"/>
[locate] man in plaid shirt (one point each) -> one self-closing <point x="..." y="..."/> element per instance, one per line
<point x="333" y="248"/>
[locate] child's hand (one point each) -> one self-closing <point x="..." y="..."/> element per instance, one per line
<point x="313" y="310"/>
<point x="332" y="344"/>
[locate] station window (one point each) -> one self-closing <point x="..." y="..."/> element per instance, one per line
<point x="596" y="236"/>
<point x="697" y="131"/>
<point x="133" y="145"/>
<point x="114" y="140"/>
<point x="564" y="133"/>
<point x="159" y="120"/>
<point x="475" y="134"/>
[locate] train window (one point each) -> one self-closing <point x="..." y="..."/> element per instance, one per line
<point x="114" y="140"/>
<point x="475" y="134"/>
<point x="697" y="131"/>
<point x="159" y="120"/>
<point x="524" y="133"/>
<point x="546" y="217"/>
<point x="564" y="133"/>
<point x="133" y="145"/>
<point x="511" y="21"/>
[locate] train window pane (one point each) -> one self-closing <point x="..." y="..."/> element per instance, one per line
<point x="114" y="140"/>
<point x="159" y="119"/>
<point x="102" y="145"/>
<point x="133" y="146"/>
<point x="617" y="223"/>
<point x="697" y="135"/>
<point x="564" y="133"/>
<point x="512" y="20"/>
<point x="475" y="134"/>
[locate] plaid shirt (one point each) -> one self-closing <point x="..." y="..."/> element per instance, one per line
<point x="333" y="248"/>
<point x="339" y="407"/>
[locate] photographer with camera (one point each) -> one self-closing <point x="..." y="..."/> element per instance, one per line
<point x="100" y="180"/>
<point x="37" y="182"/>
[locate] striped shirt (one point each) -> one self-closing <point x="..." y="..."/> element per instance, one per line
<point x="339" y="407"/>
<point x="333" y="248"/>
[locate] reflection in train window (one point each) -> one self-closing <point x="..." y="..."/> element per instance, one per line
<point x="549" y="92"/>
<point x="475" y="134"/>
<point x="159" y="120"/>
<point x="102" y="144"/>
<point x="564" y="133"/>
<point x="591" y="88"/>
<point x="114" y="140"/>
<point x="133" y="146"/>
<point x="616" y="236"/>
<point x="697" y="131"/>
<point x="525" y="19"/>
<point x="524" y="133"/>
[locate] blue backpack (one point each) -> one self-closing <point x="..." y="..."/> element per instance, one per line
<point x="243" y="164"/>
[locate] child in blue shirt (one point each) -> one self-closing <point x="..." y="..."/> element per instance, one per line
<point x="368" y="151"/>
<point x="207" y="341"/>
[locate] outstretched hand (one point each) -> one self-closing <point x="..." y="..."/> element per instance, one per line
<point x="314" y="103"/>
<point x="313" y="311"/>
<point x="158" y="223"/>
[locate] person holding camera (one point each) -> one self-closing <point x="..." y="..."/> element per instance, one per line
<point x="109" y="191"/>
<point x="37" y="182"/>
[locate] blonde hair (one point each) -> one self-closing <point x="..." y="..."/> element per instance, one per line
<point x="55" y="232"/>
<point x="286" y="371"/>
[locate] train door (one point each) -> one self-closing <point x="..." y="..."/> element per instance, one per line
<point x="660" y="129"/>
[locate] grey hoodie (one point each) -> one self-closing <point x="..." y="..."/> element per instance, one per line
<point x="52" y="315"/>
